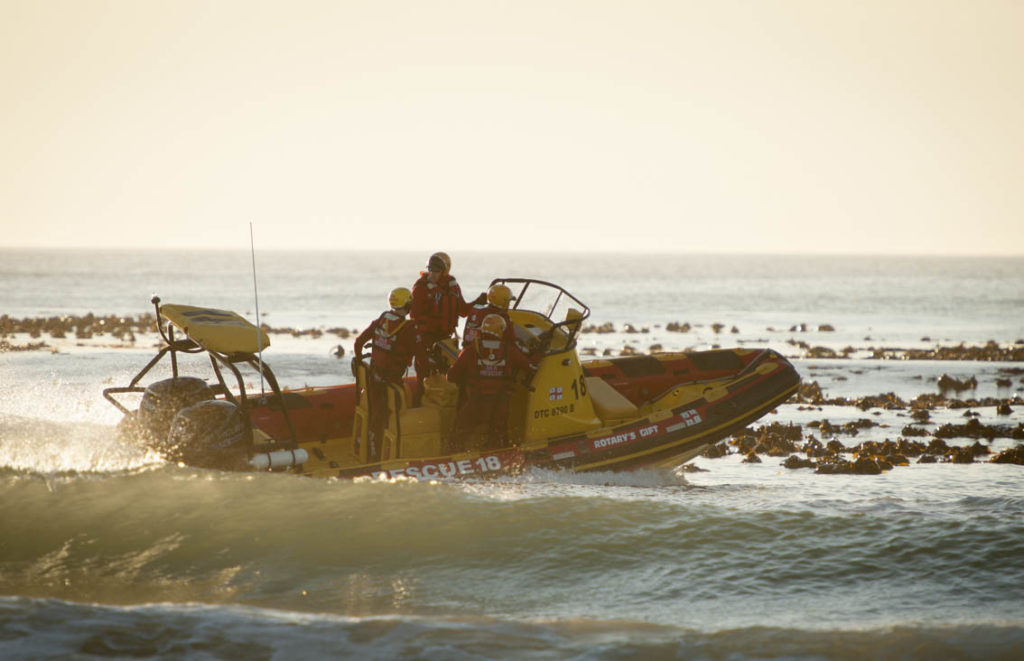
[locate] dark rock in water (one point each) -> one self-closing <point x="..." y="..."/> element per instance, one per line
<point x="946" y="382"/>
<point x="778" y="440"/>
<point x="920" y="415"/>
<point x="960" y="455"/>
<point x="837" y="467"/>
<point x="979" y="450"/>
<point x="927" y="459"/>
<point x="875" y="449"/>
<point x="914" y="431"/>
<point x="1004" y="383"/>
<point x="974" y="429"/>
<point x="715" y="451"/>
<point x="910" y="448"/>
<point x="745" y="444"/>
<point x="937" y="446"/>
<point x="888" y="401"/>
<point x="795" y="461"/>
<point x="928" y="401"/>
<point x="752" y="458"/>
<point x="810" y="393"/>
<point x="1004" y="409"/>
<point x="821" y="352"/>
<point x="787" y="432"/>
<point x="991" y="351"/>
<point x="814" y="448"/>
<point x="835" y="447"/>
<point x="897" y="460"/>
<point x="866" y="466"/>
<point x="1010" y="456"/>
<point x="691" y="468"/>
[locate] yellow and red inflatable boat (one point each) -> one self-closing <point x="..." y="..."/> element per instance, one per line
<point x="597" y="415"/>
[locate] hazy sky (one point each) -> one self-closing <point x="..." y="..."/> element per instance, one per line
<point x="891" y="126"/>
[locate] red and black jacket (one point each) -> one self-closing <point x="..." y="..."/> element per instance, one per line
<point x="487" y="366"/>
<point x="436" y="308"/>
<point x="476" y="315"/>
<point x="394" y="342"/>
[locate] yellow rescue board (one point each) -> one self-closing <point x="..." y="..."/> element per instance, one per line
<point x="222" y="331"/>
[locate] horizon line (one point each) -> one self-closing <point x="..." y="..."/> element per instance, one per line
<point x="485" y="251"/>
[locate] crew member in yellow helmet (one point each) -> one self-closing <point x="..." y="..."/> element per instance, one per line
<point x="395" y="343"/>
<point x="498" y="298"/>
<point x="486" y="370"/>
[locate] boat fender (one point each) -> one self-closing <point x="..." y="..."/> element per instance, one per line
<point x="279" y="459"/>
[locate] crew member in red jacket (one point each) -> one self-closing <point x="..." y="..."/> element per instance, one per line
<point x="395" y="343"/>
<point x="498" y="298"/>
<point x="437" y="304"/>
<point x="486" y="369"/>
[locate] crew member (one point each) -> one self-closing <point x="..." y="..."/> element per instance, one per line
<point x="498" y="297"/>
<point x="395" y="343"/>
<point x="486" y="369"/>
<point x="437" y="304"/>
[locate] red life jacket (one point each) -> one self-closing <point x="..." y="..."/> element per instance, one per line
<point x="491" y="373"/>
<point x="391" y="355"/>
<point x="437" y="308"/>
<point x="471" y="331"/>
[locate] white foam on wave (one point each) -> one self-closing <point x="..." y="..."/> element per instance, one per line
<point x="43" y="446"/>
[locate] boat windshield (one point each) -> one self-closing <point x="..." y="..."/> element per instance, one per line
<point x="563" y="312"/>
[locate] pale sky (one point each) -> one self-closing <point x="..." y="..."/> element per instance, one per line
<point x="798" y="126"/>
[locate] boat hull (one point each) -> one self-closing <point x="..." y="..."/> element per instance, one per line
<point x="656" y="437"/>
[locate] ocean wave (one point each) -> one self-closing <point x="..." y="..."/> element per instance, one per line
<point x="374" y="547"/>
<point x="40" y="629"/>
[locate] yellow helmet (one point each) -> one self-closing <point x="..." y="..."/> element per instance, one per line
<point x="439" y="261"/>
<point x="399" y="297"/>
<point x="493" y="325"/>
<point x="499" y="296"/>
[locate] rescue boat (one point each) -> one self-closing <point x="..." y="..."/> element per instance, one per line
<point x="658" y="410"/>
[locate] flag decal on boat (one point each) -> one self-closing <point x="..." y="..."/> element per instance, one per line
<point x="555" y="393"/>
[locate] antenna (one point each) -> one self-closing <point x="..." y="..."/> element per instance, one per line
<point x="256" y="295"/>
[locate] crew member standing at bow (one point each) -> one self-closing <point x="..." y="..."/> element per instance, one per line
<point x="395" y="343"/>
<point x="498" y="298"/>
<point x="486" y="369"/>
<point x="437" y="304"/>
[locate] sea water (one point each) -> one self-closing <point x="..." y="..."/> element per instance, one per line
<point x="108" y="551"/>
